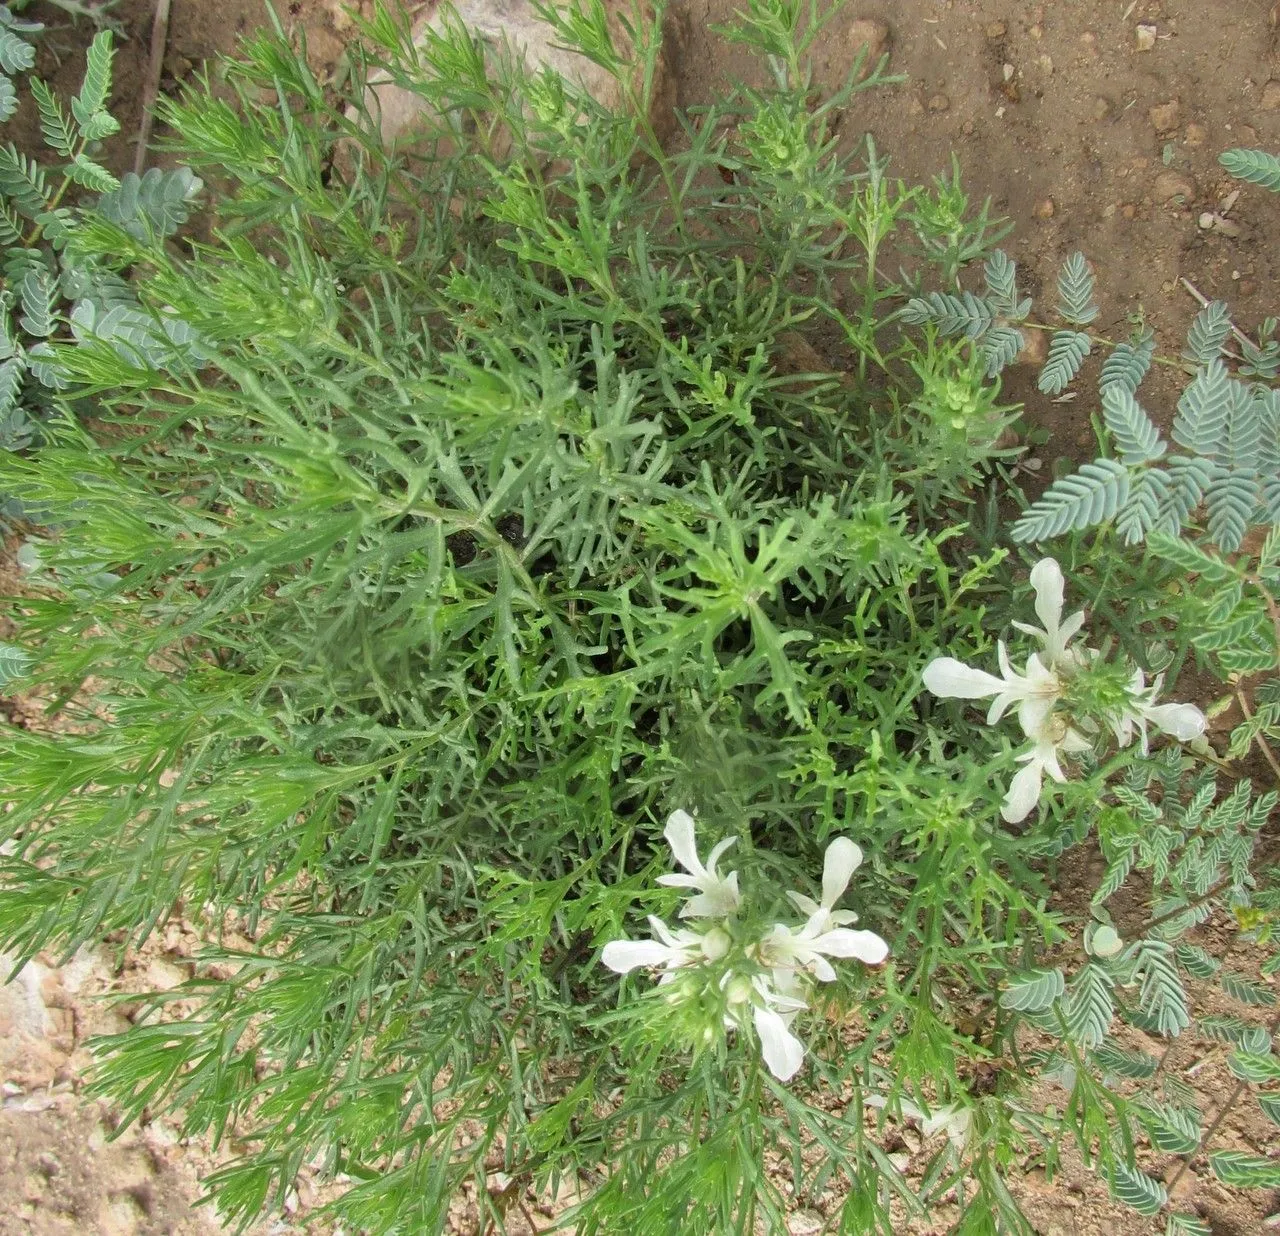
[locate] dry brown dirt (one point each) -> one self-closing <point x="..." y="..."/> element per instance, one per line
<point x="1088" y="132"/>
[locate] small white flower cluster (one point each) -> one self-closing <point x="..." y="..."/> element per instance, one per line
<point x="763" y="977"/>
<point x="1038" y="693"/>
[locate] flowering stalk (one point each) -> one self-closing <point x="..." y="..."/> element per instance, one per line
<point x="759" y="975"/>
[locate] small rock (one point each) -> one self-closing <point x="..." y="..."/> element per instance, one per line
<point x="968" y="128"/>
<point x="1144" y="37"/>
<point x="1170" y="185"/>
<point x="1045" y="209"/>
<point x="996" y="30"/>
<point x="1036" y="32"/>
<point x="1164" y="116"/>
<point x="1045" y="62"/>
<point x="805" y="1223"/>
<point x="1270" y="100"/>
<point x="1128" y="210"/>
<point x="121" y="1216"/>
<point x="1101" y="108"/>
<point x="163" y="975"/>
<point x="1034" y="349"/>
<point x="871" y="35"/>
<point x="1195" y="135"/>
<point x="1206" y="221"/>
<point x="939" y="103"/>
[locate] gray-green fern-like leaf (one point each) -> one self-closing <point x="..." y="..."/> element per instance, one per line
<point x="1175" y="1130"/>
<point x="1128" y="363"/>
<point x="152" y="206"/>
<point x="1067" y="349"/>
<point x="1000" y="346"/>
<point x="1203" y="410"/>
<point x="54" y="123"/>
<point x="952" y="315"/>
<point x="1075" y="291"/>
<point x="23" y="181"/>
<point x="37" y="294"/>
<point x="1161" y="995"/>
<point x="1090" y="1009"/>
<point x="1147" y="499"/>
<point x="16" y="54"/>
<point x="1135" y="1188"/>
<point x="1256" y="166"/>
<point x="87" y="107"/>
<point x="1001" y="274"/>
<point x="1230" y="501"/>
<point x="1208" y="333"/>
<point x="1094" y="494"/>
<point x="8" y="99"/>
<point x="1136" y="437"/>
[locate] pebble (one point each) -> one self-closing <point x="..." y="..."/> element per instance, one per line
<point x="1145" y="37"/>
<point x="1164" y="116"/>
<point x="805" y="1223"/>
<point x="939" y="103"/>
<point x="1045" y="209"/>
<point x="1270" y="100"/>
<point x="870" y="33"/>
<point x="996" y="30"/>
<point x="1170" y="184"/>
<point x="968" y="128"/>
<point x="1101" y="108"/>
<point x="1035" y="348"/>
<point x="1195" y="135"/>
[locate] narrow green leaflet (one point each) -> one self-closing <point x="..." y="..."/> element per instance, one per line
<point x="1245" y="1171"/>
<point x="1135" y="1188"/>
<point x="1182" y="1224"/>
<point x="1033" y="991"/>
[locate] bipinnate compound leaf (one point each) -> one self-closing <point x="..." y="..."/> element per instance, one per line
<point x="1067" y="349"/>
<point x="1196" y="962"/>
<point x="1230" y="502"/>
<point x="1182" y="1224"/>
<point x="8" y="99"/>
<point x="54" y="123"/>
<point x="1001" y="274"/>
<point x="1175" y="1130"/>
<point x="13" y="663"/>
<point x="1075" y="291"/>
<point x="1161" y="995"/>
<point x="1201" y="421"/>
<point x="1033" y="991"/>
<point x="1128" y="364"/>
<point x="952" y="315"/>
<point x="1256" y="166"/>
<point x="1123" y="1062"/>
<point x="1240" y="1170"/>
<point x="154" y="205"/>
<point x="1136" y="437"/>
<point x="1147" y="501"/>
<point x="1089" y="1007"/>
<point x="1000" y="346"/>
<point x="1088" y="497"/>
<point x="87" y="107"/>
<point x="1270" y="1104"/>
<point x="16" y="54"/>
<point x="1253" y="1067"/>
<point x="1247" y="991"/>
<point x="1135" y="1188"/>
<point x="1207" y="334"/>
<point x="23" y="182"/>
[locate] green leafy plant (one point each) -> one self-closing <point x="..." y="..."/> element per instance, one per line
<point x="51" y="288"/>
<point x="485" y="545"/>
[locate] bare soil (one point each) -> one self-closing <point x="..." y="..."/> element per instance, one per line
<point x="1089" y="134"/>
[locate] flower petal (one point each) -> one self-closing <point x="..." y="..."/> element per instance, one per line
<point x="679" y="833"/>
<point x="783" y="1053"/>
<point x="1183" y="721"/>
<point x="806" y="905"/>
<point x="1024" y="793"/>
<point x="948" y="678"/>
<point x="624" y="955"/>
<point x="1046" y="579"/>
<point x="866" y="946"/>
<point x="719" y="848"/>
<point x="842" y="859"/>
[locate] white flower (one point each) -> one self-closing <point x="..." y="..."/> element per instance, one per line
<point x="1034" y="692"/>
<point x="1046" y="579"/>
<point x="1181" y="721"/>
<point x="671" y="950"/>
<point x="772" y="1013"/>
<point x="1053" y="736"/>
<point x="808" y="947"/>
<point x="842" y="859"/>
<point x="717" y="895"/>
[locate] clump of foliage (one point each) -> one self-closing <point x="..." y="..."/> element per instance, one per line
<point x="51" y="288"/>
<point x="488" y="536"/>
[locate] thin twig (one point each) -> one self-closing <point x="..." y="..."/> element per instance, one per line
<point x="1217" y="1120"/>
<point x="1204" y="301"/>
<point x="1260" y="742"/>
<point x="155" y="66"/>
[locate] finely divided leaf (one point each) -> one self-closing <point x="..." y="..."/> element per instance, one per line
<point x="1135" y="1188"/>
<point x="1067" y="349"/>
<point x="1092" y="495"/>
<point x="1245" y="1171"/>
<point x="1137" y="439"/>
<point x="1033" y="991"/>
<point x="1208" y="333"/>
<point x="1128" y="363"/>
<point x="1000" y="347"/>
<point x="952" y="315"/>
<point x="1255" y="166"/>
<point x="53" y="120"/>
<point x="92" y="99"/>
<point x="1075" y="291"/>
<point x="1230" y="501"/>
<point x="1203" y="410"/>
